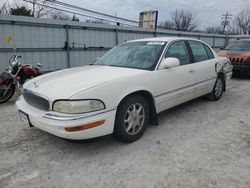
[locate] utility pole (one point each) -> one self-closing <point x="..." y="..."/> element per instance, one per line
<point x="225" y="20"/>
<point x="33" y="8"/>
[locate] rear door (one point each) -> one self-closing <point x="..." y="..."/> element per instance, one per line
<point x="204" y="67"/>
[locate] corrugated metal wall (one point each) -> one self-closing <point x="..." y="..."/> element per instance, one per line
<point x="45" y="41"/>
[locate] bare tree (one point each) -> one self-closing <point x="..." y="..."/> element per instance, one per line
<point x="167" y="25"/>
<point x="214" y="29"/>
<point x="242" y="21"/>
<point x="184" y="20"/>
<point x="39" y="8"/>
<point x="233" y="29"/>
<point x="20" y="11"/>
<point x="57" y="15"/>
<point x="75" y="18"/>
<point x="4" y="8"/>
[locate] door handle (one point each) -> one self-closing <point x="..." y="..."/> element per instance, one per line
<point x="191" y="71"/>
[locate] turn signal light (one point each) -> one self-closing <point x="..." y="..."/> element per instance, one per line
<point x="86" y="126"/>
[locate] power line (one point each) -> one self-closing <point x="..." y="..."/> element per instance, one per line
<point x="77" y="13"/>
<point x="92" y="11"/>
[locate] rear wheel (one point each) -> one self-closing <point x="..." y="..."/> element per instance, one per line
<point x="131" y="119"/>
<point x="6" y="95"/>
<point x="219" y="85"/>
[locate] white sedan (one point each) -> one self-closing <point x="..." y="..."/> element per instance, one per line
<point x="123" y="91"/>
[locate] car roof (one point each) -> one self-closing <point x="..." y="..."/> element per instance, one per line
<point x="163" y="39"/>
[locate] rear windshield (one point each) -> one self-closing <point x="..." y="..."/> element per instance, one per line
<point x="239" y="46"/>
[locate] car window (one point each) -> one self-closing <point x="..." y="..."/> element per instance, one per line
<point x="199" y="52"/>
<point x="209" y="52"/>
<point x="179" y="50"/>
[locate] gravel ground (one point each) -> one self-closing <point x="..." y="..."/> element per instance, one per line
<point x="198" y="144"/>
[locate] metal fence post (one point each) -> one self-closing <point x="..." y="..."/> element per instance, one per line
<point x="213" y="42"/>
<point x="156" y="20"/>
<point x="116" y="36"/>
<point x="226" y="40"/>
<point x="67" y="47"/>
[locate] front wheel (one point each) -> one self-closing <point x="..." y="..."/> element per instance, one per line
<point x="131" y="119"/>
<point x="219" y="85"/>
<point x="6" y="95"/>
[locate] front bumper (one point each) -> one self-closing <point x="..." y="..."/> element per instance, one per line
<point x="55" y="123"/>
<point x="241" y="67"/>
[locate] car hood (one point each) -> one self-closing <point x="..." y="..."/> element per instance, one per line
<point x="231" y="52"/>
<point x="66" y="83"/>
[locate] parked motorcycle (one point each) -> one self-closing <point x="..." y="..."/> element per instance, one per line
<point x="15" y="75"/>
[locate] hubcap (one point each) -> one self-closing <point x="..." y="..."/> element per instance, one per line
<point x="218" y="87"/>
<point x="134" y="119"/>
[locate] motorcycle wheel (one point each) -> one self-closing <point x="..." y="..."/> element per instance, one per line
<point x="8" y="94"/>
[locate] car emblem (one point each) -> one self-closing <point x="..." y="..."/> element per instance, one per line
<point x="35" y="84"/>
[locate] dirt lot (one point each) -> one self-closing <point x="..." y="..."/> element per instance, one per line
<point x="198" y="144"/>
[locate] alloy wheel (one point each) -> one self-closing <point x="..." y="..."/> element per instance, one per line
<point x="134" y="119"/>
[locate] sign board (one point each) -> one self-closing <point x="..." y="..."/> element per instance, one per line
<point x="148" y="19"/>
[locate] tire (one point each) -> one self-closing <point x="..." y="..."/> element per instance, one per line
<point x="132" y="118"/>
<point x="219" y="86"/>
<point x="9" y="93"/>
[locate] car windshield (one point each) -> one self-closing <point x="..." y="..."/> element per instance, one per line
<point x="239" y="46"/>
<point x="138" y="55"/>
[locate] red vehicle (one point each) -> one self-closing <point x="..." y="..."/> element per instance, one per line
<point x="238" y="52"/>
<point x="15" y="75"/>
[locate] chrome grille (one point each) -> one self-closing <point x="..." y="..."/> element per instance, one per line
<point x="35" y="100"/>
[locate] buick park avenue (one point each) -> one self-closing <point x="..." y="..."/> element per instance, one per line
<point x="123" y="91"/>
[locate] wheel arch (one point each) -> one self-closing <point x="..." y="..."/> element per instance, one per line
<point x="153" y="119"/>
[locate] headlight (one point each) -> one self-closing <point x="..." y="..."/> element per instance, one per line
<point x="78" y="106"/>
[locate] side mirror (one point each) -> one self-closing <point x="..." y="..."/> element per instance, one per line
<point x="169" y="62"/>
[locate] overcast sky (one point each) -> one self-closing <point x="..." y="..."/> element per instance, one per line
<point x="208" y="11"/>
